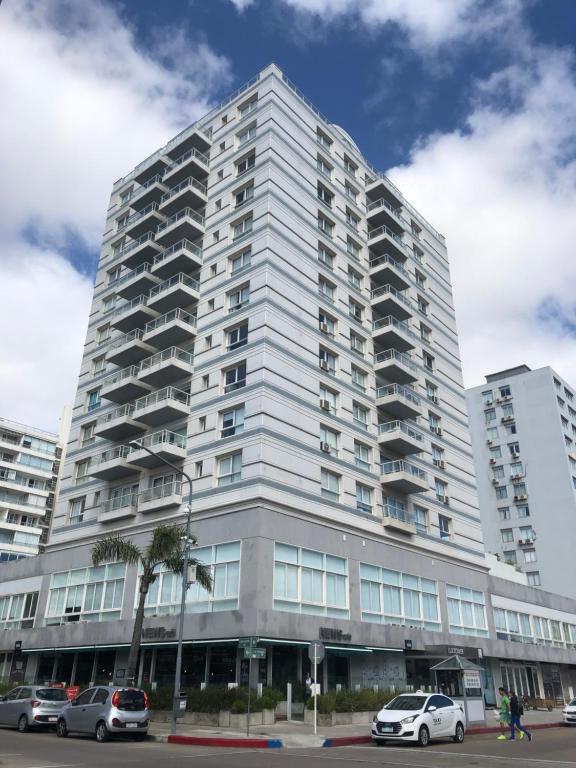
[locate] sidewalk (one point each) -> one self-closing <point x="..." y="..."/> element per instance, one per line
<point x="297" y="734"/>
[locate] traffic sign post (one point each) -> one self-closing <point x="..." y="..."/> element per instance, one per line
<point x="316" y="653"/>
<point x="251" y="651"/>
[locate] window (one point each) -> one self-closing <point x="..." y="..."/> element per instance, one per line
<point x="421" y="519"/>
<point x="206" y="381"/>
<point x="76" y="510"/>
<point x="487" y="397"/>
<point x="516" y="468"/>
<point x="242" y="228"/>
<point x="325" y="256"/>
<point x="248" y="106"/>
<point x="198" y="469"/>
<point x="238" y="298"/>
<point x="428" y="361"/>
<point x="415" y="229"/>
<point x="322" y="139"/>
<point x="310" y="582"/>
<point x="246" y="134"/>
<point x="325" y="225"/>
<point x="351" y="219"/>
<point x="232" y="421"/>
<point x="444" y="527"/>
<point x="87" y="434"/>
<point x="507" y="535"/>
<point x="504" y="513"/>
<point x="418" y="254"/>
<point x="437" y="456"/>
<point x="230" y="469"/>
<point x="434" y="423"/>
<point x="360" y="415"/>
<point x="98" y="365"/>
<point x="235" y="378"/>
<point x="489" y="415"/>
<point x="393" y="597"/>
<point x="534" y="578"/>
<point x="202" y="424"/>
<point x="325" y="195"/>
<point x="466" y="611"/>
<point x="243" y="195"/>
<point x="505" y="391"/>
<point x="527" y="533"/>
<point x="18" y="611"/>
<point x="523" y="510"/>
<point x="530" y="556"/>
<point x="510" y="556"/>
<point x="362" y="455"/>
<point x="350" y="191"/>
<point x="121" y="221"/>
<point x="355" y="310"/>
<point x="86" y="594"/>
<point x="354" y="278"/>
<point x="108" y="304"/>
<point x="103" y="334"/>
<point x="240" y="261"/>
<point x="349" y="166"/>
<point x="208" y="342"/>
<point x="329" y="398"/>
<point x="561" y="402"/>
<point x="326" y="323"/>
<point x="363" y="498"/>
<point x="423" y="305"/>
<point x="326" y="289"/>
<point x="357" y="343"/>
<point x="420" y="279"/>
<point x="510" y="428"/>
<point x="324" y="167"/>
<point x="329" y="440"/>
<point x="237" y="337"/>
<point x="359" y="378"/>
<point x="501" y="492"/>
<point x="329" y="485"/>
<point x="327" y="360"/>
<point x="246" y="163"/>
<point x="432" y="392"/>
<point x="441" y="488"/>
<point x="492" y="433"/>
<point x="496" y="452"/>
<point x="498" y="473"/>
<point x="425" y="333"/>
<point x="82" y="470"/>
<point x="508" y="410"/>
<point x="352" y="248"/>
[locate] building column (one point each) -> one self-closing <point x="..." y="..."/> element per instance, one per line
<point x="94" y="669"/>
<point x="55" y="668"/>
<point x="74" y="665"/>
<point x="269" y="668"/>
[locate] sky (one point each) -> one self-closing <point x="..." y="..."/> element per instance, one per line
<point x="468" y="105"/>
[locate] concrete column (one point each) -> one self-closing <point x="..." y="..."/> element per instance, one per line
<point x="153" y="667"/>
<point x="55" y="667"/>
<point x="207" y="668"/>
<point x="269" y="666"/>
<point x="299" y="664"/>
<point x="73" y="673"/>
<point x="94" y="668"/>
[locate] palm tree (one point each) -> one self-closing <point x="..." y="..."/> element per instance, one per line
<point x="164" y="548"/>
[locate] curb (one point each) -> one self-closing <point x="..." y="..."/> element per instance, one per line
<point x="496" y="729"/>
<point x="346" y="741"/>
<point x="213" y="741"/>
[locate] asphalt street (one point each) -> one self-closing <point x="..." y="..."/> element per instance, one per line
<point x="554" y="748"/>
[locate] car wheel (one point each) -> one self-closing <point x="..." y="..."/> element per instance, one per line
<point x="22" y="723"/>
<point x="423" y="736"/>
<point x="61" y="729"/>
<point x="101" y="732"/>
<point x="459" y="733"/>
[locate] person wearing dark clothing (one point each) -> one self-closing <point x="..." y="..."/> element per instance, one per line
<point x="516" y="712"/>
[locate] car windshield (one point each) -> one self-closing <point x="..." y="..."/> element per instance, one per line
<point x="131" y="699"/>
<point x="51" y="694"/>
<point x="572" y="703"/>
<point x="411" y="703"/>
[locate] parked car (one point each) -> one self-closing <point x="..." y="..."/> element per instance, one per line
<point x="419" y="717"/>
<point x="569" y="713"/>
<point x="105" y="711"/>
<point x="31" y="706"/>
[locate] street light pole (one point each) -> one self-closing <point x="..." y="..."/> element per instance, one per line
<point x="178" y="672"/>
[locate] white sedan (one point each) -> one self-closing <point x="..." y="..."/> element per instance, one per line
<point x="569" y="713"/>
<point x="419" y="717"/>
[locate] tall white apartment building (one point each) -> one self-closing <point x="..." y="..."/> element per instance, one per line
<point x="523" y="425"/>
<point x="30" y="463"/>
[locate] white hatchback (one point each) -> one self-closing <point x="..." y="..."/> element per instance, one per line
<point x="569" y="713"/>
<point x="419" y="717"/>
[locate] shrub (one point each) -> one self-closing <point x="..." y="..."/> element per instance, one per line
<point x="365" y="700"/>
<point x="215" y="698"/>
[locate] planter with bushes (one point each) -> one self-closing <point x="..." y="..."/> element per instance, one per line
<point x="347" y="707"/>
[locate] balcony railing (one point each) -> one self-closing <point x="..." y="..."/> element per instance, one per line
<point x="382" y="203"/>
<point x="139" y="301"/>
<point x="390" y="467"/>
<point x="135" y="243"/>
<point x="384" y="230"/>
<point x="142" y="269"/>
<point x="186" y="156"/>
<point x="157" y="179"/>
<point x="124" y="411"/>
<point x="181" y="245"/>
<point x="141" y="214"/>
<point x="164" y="436"/>
<point x="400" y="391"/>
<point x="119" y="452"/>
<point x="397" y="513"/>
<point x="126" y="338"/>
<point x="161" y="492"/>
<point x="180" y="278"/>
<point x="189" y="182"/>
<point x="117" y="376"/>
<point x="385" y="290"/>
<point x="172" y="353"/>
<point x="393" y="426"/>
<point x="120" y="502"/>
<point x="180" y="215"/>
<point x="393" y="354"/>
<point x="167" y="393"/>
<point x="389" y="321"/>
<point x="387" y="259"/>
<point x="174" y="314"/>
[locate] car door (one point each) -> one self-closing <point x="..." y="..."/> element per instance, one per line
<point x="76" y="715"/>
<point x="96" y="710"/>
<point x="448" y="709"/>
<point x="22" y="704"/>
<point x="436" y="717"/>
<point x="7" y="707"/>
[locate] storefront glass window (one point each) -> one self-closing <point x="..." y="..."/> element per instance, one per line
<point x="393" y="597"/>
<point x="86" y="594"/>
<point x="466" y="611"/>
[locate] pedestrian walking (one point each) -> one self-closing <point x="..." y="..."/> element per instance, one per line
<point x="504" y="713"/>
<point x="516" y="712"/>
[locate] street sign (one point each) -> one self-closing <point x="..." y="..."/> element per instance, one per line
<point x="316" y="652"/>
<point x="254" y="653"/>
<point x="247" y="642"/>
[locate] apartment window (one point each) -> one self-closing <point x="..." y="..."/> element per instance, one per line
<point x="243" y="195"/>
<point x="505" y="391"/>
<point x="501" y="492"/>
<point x="510" y="556"/>
<point x="564" y="421"/>
<point x="466" y="611"/>
<point x="489" y="415"/>
<point x="504" y="513"/>
<point x="355" y="310"/>
<point x="350" y="191"/>
<point x="362" y="455"/>
<point x="329" y="485"/>
<point x="324" y="140"/>
<point x="530" y="556"/>
<point x="437" y="456"/>
<point x="354" y="278"/>
<point x="434" y="423"/>
<point x="248" y="106"/>
<point x="325" y="225"/>
<point x="561" y="402"/>
<point x="237" y="337"/>
<point x="363" y="498"/>
<point x="357" y="343"/>
<point x="202" y="424"/>
<point x="352" y="248"/>
<point x="327" y="360"/>
<point x="238" y="298"/>
<point x="360" y="415"/>
<point x="103" y="334"/>
<point x="527" y="533"/>
<point x="232" y="421"/>
<point x="114" y="274"/>
<point x="326" y="323"/>
<point x="325" y="256"/>
<point x="93" y="400"/>
<point x="86" y="594"/>
<point x="325" y="195"/>
<point x="498" y="473"/>
<point x="421" y="519"/>
<point x="76" y="510"/>
<point x="425" y="333"/>
<point x="428" y="361"/>
<point x="87" y="434"/>
<point x="329" y="398"/>
<point x="326" y="289"/>
<point x="487" y="397"/>
<point x="516" y="468"/>
<point x="351" y="219"/>
<point x="98" y="365"/>
<point x="324" y="167"/>
<point x="82" y="470"/>
<point x="422" y="305"/>
<point x="534" y="578"/>
<point x="418" y="254"/>
<point x="329" y="440"/>
<point x="415" y="229"/>
<point x="393" y="597"/>
<point x="359" y="378"/>
<point x="441" y="489"/>
<point x="125" y="196"/>
<point x="432" y="392"/>
<point x="514" y="448"/>
<point x="507" y="535"/>
<point x="198" y="468"/>
<point x="420" y="279"/>
<point x="235" y="378"/>
<point x="510" y="428"/>
<point x="444" y="527"/>
<point x="496" y="452"/>
<point x="240" y="261"/>
<point x="349" y="166"/>
<point x="523" y="510"/>
<point x="246" y="163"/>
<point x="117" y="248"/>
<point x="242" y="228"/>
<point x="492" y="433"/>
<point x="508" y="410"/>
<point x="208" y="342"/>
<point x="520" y="489"/>
<point x="246" y="134"/>
<point x="205" y="381"/>
<point x="230" y="468"/>
<point x="109" y="304"/>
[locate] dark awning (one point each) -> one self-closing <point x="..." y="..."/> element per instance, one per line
<point x="454" y="663"/>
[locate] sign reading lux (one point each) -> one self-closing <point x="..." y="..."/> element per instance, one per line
<point x="334" y="635"/>
<point x="158" y="633"/>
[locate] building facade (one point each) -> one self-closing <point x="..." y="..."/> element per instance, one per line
<point x="523" y="426"/>
<point x="271" y="315"/>
<point x="30" y="468"/>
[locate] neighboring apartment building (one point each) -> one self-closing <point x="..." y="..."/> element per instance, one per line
<point x="30" y="464"/>
<point x="271" y="315"/>
<point x="523" y="425"/>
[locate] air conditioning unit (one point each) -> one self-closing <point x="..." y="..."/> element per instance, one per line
<point x="325" y="405"/>
<point x="324" y="328"/>
<point x="325" y="447"/>
<point x="445" y="499"/>
<point x="488" y="442"/>
<point x="439" y="463"/>
<point x="495" y="481"/>
<point x="436" y="430"/>
<point x="492" y="461"/>
<point x="525" y="542"/>
<point x="433" y="398"/>
<point x="324" y="365"/>
<point x="498" y="400"/>
<point x="488" y="403"/>
<point x="515" y="455"/>
<point x="505" y="419"/>
<point x="516" y="478"/>
<point x="521" y="497"/>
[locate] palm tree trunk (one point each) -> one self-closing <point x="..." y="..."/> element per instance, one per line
<point x="137" y="633"/>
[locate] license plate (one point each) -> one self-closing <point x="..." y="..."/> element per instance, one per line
<point x="52" y="719"/>
<point x="131" y="725"/>
<point x="387" y="729"/>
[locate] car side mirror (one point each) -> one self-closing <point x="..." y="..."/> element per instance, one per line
<point x="432" y="708"/>
<point x="74" y="702"/>
<point x="2" y="698"/>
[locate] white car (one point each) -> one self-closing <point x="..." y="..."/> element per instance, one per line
<point x="419" y="717"/>
<point x="569" y="713"/>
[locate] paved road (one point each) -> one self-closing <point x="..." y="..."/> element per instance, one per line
<point x="555" y="748"/>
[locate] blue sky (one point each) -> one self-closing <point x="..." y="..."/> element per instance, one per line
<point x="469" y="105"/>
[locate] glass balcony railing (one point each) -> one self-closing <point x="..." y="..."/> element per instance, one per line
<point x="179" y="279"/>
<point x="163" y="437"/>
<point x="397" y="512"/>
<point x="142" y="214"/>
<point x="185" y="157"/>
<point x="384" y="230"/>
<point x="382" y="203"/>
<point x="127" y="338"/>
<point x="139" y="301"/>
<point x="386" y="259"/>
<point x="392" y="322"/>
<point x="172" y="353"/>
<point x="160" y="492"/>
<point x="394" y="426"/>
<point x="391" y="467"/>
<point x="189" y="182"/>
<point x="119" y="452"/>
<point x="400" y="391"/>
<point x="393" y="354"/>
<point x="135" y="243"/>
<point x="142" y="269"/>
<point x="121" y="375"/>
<point x="124" y="411"/>
<point x="185" y="212"/>
<point x="174" y="314"/>
<point x="181" y="245"/>
<point x="388" y="290"/>
<point x="160" y="396"/>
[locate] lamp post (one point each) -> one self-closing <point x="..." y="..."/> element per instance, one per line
<point x="178" y="672"/>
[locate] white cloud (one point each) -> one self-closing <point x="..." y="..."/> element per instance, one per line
<point x="83" y="103"/>
<point x="503" y="191"/>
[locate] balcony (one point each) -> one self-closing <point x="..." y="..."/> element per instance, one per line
<point x="151" y="170"/>
<point x="383" y="240"/>
<point x="133" y="314"/>
<point x="393" y="334"/>
<point x="166" y="445"/>
<point x="388" y="271"/>
<point x="129" y="349"/>
<point x="191" y="163"/>
<point x="397" y="519"/>
<point x="113" y="464"/>
<point x="170" y="329"/>
<point x="190" y="193"/>
<point x="124" y="385"/>
<point x="150" y="192"/>
<point x="162" y="497"/>
<point x="145" y="220"/>
<point x="381" y="186"/>
<point x="399" y="401"/>
<point x="396" y="366"/>
<point x="166" y="367"/>
<point x="135" y="282"/>
<point x="402" y="477"/>
<point x="21" y="504"/>
<point x="184" y="225"/>
<point x="389" y="301"/>
<point x="382" y="212"/>
<point x="139" y="251"/>
<point x="399" y="437"/>
<point x="183" y="256"/>
<point x="119" y="424"/>
<point x="162" y="407"/>
<point x="118" y="509"/>
<point x="178" y="291"/>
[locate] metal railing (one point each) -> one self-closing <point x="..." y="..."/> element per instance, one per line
<point x="385" y="322"/>
<point x="393" y="426"/>
<point x="382" y="203"/>
<point x="164" y="436"/>
<point x="124" y="501"/>
<point x="126" y="338"/>
<point x="390" y="467"/>
<point x="180" y="215"/>
<point x="160" y="396"/>
<point x="119" y="452"/>
<point x="398" y="390"/>
<point x="384" y="230"/>
<point x="180" y="278"/>
<point x="150" y="208"/>
<point x="174" y="314"/>
<point x="137" y="302"/>
<point x="397" y="513"/>
<point x="400" y="357"/>
<point x="390" y="290"/>
<point x="139" y="241"/>
<point x="387" y="259"/>
<point x="166" y="354"/>
<point x="117" y="376"/>
<point x="193" y="152"/>
<point x="189" y="182"/>
<point x="181" y="245"/>
<point x="124" y="411"/>
<point x="142" y="269"/>
<point x="161" y="492"/>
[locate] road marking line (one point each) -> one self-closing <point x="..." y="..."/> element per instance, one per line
<point x="470" y="754"/>
<point x="219" y="754"/>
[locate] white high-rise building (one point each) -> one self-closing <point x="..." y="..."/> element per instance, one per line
<point x="523" y="425"/>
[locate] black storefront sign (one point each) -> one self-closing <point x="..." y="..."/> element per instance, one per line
<point x="334" y="635"/>
<point x="158" y="633"/>
<point x="454" y="650"/>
